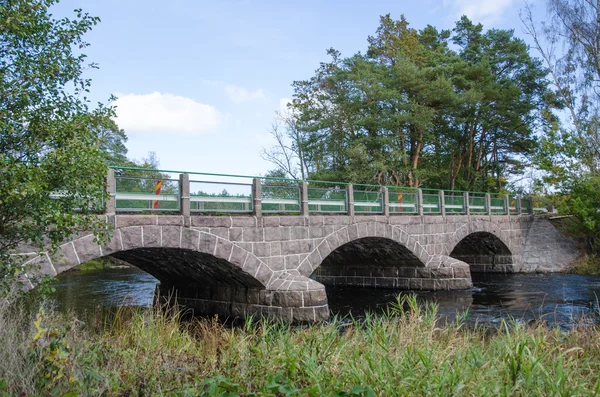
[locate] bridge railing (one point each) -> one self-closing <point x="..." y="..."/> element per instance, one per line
<point x="222" y="193"/>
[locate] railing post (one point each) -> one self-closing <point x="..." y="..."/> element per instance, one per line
<point x="488" y="204"/>
<point x="350" y="198"/>
<point x="442" y="203"/>
<point x="386" y="201"/>
<point x="420" y="202"/>
<point x="518" y="205"/>
<point x="507" y="204"/>
<point x="466" y="203"/>
<point x="256" y="197"/>
<point x="110" y="204"/>
<point x="530" y="205"/>
<point x="184" y="198"/>
<point x="304" y="198"/>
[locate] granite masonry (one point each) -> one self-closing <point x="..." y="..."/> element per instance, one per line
<point x="278" y="265"/>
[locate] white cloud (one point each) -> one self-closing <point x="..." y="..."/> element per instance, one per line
<point x="236" y="93"/>
<point x="484" y="11"/>
<point x="165" y="113"/>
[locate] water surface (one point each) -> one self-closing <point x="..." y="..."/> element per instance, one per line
<point x="558" y="299"/>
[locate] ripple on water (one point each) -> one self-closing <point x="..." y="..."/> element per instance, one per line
<point x="558" y="299"/>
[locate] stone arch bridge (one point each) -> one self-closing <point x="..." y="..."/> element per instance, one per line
<point x="278" y="265"/>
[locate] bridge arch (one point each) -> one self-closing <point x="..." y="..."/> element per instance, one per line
<point x="173" y="254"/>
<point x="489" y="227"/>
<point x="374" y="232"/>
<point x="484" y="247"/>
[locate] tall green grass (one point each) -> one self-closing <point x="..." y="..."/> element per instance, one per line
<point x="403" y="352"/>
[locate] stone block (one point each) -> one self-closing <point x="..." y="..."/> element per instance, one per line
<point x="207" y="243"/>
<point x="87" y="249"/>
<point x="321" y="313"/>
<point x="423" y="272"/>
<point x="270" y="221"/>
<point x="315" y="220"/>
<point x="315" y="259"/>
<point x="407" y="272"/>
<point x="261" y="249"/>
<point x="404" y="220"/>
<point x="402" y="283"/>
<point x="224" y="249"/>
<point x="332" y="242"/>
<point x="235" y="234"/>
<point x="337" y="220"/>
<point x="384" y="282"/>
<point x="238" y="256"/>
<point x="287" y="298"/>
<point x="442" y="272"/>
<point x="275" y="248"/>
<point x="461" y="272"/>
<point x="316" y="231"/>
<point x="131" y="237"/>
<point x="40" y="265"/>
<point x="222" y="232"/>
<point x="434" y="219"/>
<point x="172" y="236"/>
<point x="253" y="234"/>
<point x="298" y="233"/>
<point x="243" y="221"/>
<point x="342" y="236"/>
<point x="265" y="298"/>
<point x="291" y="221"/>
<point x="428" y="284"/>
<point x="135" y="220"/>
<point x="114" y="245"/>
<point x="415" y="283"/>
<point x="304" y="314"/>
<point x="276" y="263"/>
<point x="173" y="220"/>
<point x="365" y="218"/>
<point x="263" y="274"/>
<point x="211" y="221"/>
<point x="252" y="296"/>
<point x="292" y="262"/>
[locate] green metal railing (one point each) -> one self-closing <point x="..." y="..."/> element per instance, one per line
<point x="227" y="193"/>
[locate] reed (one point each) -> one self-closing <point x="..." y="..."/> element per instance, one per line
<point x="403" y="352"/>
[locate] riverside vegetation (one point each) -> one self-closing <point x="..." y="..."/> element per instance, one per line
<point x="403" y="352"/>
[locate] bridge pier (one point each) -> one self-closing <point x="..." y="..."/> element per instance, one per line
<point x="232" y="302"/>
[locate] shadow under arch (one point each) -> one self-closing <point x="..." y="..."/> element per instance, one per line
<point x="484" y="252"/>
<point x="371" y="262"/>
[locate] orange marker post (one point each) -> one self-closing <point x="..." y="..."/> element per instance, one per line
<point x="157" y="191"/>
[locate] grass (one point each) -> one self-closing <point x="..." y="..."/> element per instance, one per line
<point x="588" y="265"/>
<point x="99" y="264"/>
<point x="404" y="352"/>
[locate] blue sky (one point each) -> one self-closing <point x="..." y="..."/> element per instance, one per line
<point x="199" y="82"/>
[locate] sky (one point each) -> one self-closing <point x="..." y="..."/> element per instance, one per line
<point x="199" y="82"/>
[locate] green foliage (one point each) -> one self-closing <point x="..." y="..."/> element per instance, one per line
<point x="583" y="203"/>
<point x="446" y="109"/>
<point x="49" y="135"/>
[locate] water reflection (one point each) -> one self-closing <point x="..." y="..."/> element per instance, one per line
<point x="559" y="299"/>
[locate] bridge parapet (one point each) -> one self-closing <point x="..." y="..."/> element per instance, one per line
<point x="206" y="193"/>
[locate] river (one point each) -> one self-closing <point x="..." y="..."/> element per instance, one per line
<point x="559" y="299"/>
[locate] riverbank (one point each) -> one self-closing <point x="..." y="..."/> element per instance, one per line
<point x="405" y="352"/>
<point x="586" y="265"/>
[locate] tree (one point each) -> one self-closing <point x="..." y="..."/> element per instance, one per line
<point x="415" y="111"/>
<point x="569" y="44"/>
<point x="52" y="164"/>
<point x="287" y="154"/>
